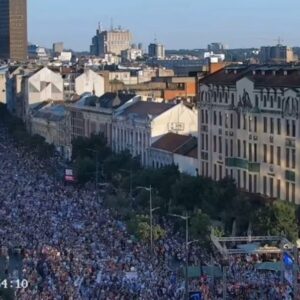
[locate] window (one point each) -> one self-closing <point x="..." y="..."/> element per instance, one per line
<point x="245" y="149"/>
<point x="265" y="153"/>
<point x="215" y="118"/>
<point x="226" y="147"/>
<point x="265" y="101"/>
<point x="231" y="173"/>
<point x="220" y="172"/>
<point x="256" y="100"/>
<point x="287" y="158"/>
<point x="278" y="102"/>
<point x="287" y="126"/>
<point x="278" y="126"/>
<point x="231" y="121"/>
<point x="265" y="185"/>
<point x="232" y="99"/>
<point x="250" y="124"/>
<point x="245" y="122"/>
<point x="271" y="125"/>
<point x="206" y="142"/>
<point x="271" y="101"/>
<point x="278" y="189"/>
<point x="215" y="143"/>
<point x="278" y="156"/>
<point x="293" y="158"/>
<point x="220" y="145"/>
<point x="231" y="148"/>
<point x="244" y="179"/>
<point x="255" y="124"/>
<point x="250" y="152"/>
<point x="239" y="148"/>
<point x="238" y="121"/>
<point x="226" y="172"/>
<point x="220" y="119"/>
<point x="250" y="183"/>
<point x="271" y="154"/>
<point x="265" y="124"/>
<point x="215" y="172"/>
<point x="206" y="116"/>
<point x="226" y="98"/>
<point x="293" y="128"/>
<point x="202" y="116"/>
<point x="255" y="184"/>
<point x="293" y="192"/>
<point x="239" y="178"/>
<point x="287" y="191"/>
<point x="202" y="141"/>
<point x="226" y="120"/>
<point x="271" y="181"/>
<point x="255" y="152"/>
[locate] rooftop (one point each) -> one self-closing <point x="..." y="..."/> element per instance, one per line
<point x="144" y="109"/>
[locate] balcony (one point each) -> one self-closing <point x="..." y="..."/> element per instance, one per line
<point x="243" y="164"/>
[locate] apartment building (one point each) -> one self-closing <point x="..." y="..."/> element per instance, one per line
<point x="249" y="129"/>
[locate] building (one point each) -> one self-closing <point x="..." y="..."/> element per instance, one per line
<point x="156" y="51"/>
<point x="216" y="47"/>
<point x="37" y="53"/>
<point x="89" y="82"/>
<point x="13" y="30"/>
<point x="137" y="126"/>
<point x="177" y="149"/>
<point x="50" y="120"/>
<point x="249" y="129"/>
<point x="57" y="48"/>
<point x="38" y="86"/>
<point x="131" y="54"/>
<point x="276" y="54"/>
<point x="92" y="114"/>
<point x="111" y="41"/>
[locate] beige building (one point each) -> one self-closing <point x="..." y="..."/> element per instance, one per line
<point x="92" y="114"/>
<point x="249" y="129"/>
<point x="140" y="124"/>
<point x="89" y="82"/>
<point x="113" y="41"/>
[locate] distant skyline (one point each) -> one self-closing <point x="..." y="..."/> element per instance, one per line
<point x="178" y="24"/>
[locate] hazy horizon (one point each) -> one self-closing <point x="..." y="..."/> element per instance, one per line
<point x="178" y="24"/>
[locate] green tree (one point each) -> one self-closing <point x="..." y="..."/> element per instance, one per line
<point x="84" y="169"/>
<point x="200" y="226"/>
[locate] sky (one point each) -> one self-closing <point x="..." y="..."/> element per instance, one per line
<point x="178" y="24"/>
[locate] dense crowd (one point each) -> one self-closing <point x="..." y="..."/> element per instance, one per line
<point x="75" y="248"/>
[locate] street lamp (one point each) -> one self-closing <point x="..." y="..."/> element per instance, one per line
<point x="187" y="243"/>
<point x="151" y="210"/>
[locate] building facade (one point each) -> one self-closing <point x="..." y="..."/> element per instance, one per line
<point x="89" y="82"/>
<point x="276" y="54"/>
<point x="13" y="30"/>
<point x="139" y="125"/>
<point x="112" y="41"/>
<point x="156" y="51"/>
<point x="249" y="129"/>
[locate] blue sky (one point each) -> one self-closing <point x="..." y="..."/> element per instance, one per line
<point x="176" y="23"/>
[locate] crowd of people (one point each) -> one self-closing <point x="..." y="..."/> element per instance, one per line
<point x="74" y="248"/>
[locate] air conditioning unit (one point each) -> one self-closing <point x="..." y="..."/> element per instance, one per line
<point x="255" y="138"/>
<point x="231" y="133"/>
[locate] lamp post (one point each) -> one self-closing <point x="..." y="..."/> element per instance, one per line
<point x="187" y="243"/>
<point x="151" y="210"/>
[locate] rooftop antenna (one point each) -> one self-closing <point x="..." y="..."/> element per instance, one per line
<point x="100" y="26"/>
<point x="279" y="40"/>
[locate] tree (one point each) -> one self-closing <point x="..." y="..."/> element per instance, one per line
<point x="84" y="169"/>
<point x="200" y="225"/>
<point x="284" y="220"/>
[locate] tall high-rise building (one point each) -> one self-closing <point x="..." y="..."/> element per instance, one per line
<point x="156" y="51"/>
<point x="111" y="41"/>
<point x="13" y="29"/>
<point x="276" y="54"/>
